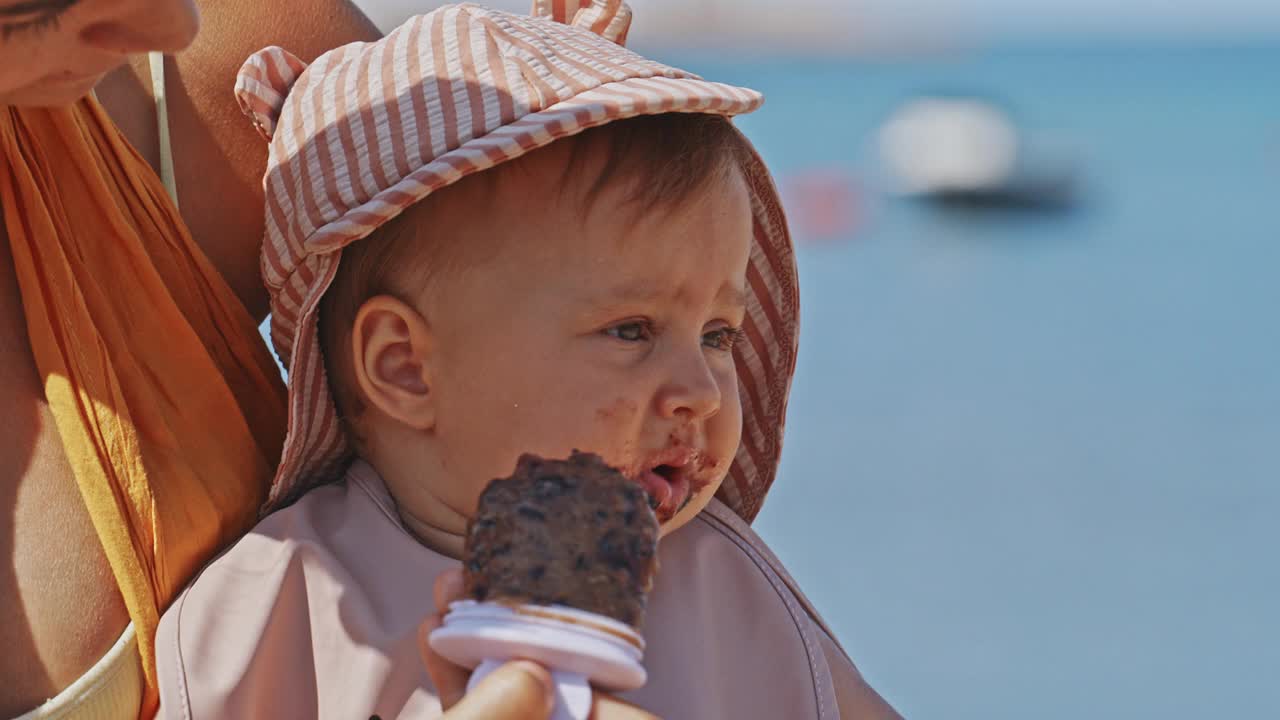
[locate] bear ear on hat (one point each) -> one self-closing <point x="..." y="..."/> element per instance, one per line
<point x="609" y="19"/>
<point x="263" y="83"/>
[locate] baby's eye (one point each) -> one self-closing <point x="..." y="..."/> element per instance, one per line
<point x="722" y="338"/>
<point x="634" y="331"/>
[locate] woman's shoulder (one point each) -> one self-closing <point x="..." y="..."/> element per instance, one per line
<point x="218" y="156"/>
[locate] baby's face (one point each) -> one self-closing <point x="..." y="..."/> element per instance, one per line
<point x="599" y="331"/>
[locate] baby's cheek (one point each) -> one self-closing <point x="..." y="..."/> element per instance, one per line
<point x="613" y="431"/>
<point x="619" y="411"/>
<point x="724" y="429"/>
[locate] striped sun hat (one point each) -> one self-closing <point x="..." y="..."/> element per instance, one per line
<point x="368" y="129"/>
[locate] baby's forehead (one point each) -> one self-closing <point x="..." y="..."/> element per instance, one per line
<point x="589" y="201"/>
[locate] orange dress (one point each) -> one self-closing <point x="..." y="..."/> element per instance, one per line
<point x="170" y="407"/>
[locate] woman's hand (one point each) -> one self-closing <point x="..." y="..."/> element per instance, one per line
<point x="519" y="690"/>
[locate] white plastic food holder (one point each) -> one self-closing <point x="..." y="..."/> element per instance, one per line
<point x="580" y="648"/>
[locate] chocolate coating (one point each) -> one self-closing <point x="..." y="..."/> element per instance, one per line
<point x="570" y="532"/>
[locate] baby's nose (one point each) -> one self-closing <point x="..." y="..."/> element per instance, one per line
<point x="691" y="392"/>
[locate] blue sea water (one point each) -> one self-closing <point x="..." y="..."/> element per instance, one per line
<point x="1031" y="461"/>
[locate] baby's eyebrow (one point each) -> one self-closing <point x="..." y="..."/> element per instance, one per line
<point x="733" y="295"/>
<point x="646" y="291"/>
<point x="643" y="290"/>
<point x="634" y="292"/>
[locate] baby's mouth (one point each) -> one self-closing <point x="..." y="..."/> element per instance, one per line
<point x="669" y="489"/>
<point x="671" y="478"/>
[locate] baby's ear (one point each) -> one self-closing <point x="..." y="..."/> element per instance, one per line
<point x="263" y="83"/>
<point x="390" y="348"/>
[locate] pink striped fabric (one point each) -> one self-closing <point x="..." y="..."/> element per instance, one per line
<point x="371" y="128"/>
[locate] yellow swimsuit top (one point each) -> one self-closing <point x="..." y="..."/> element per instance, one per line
<point x="170" y="407"/>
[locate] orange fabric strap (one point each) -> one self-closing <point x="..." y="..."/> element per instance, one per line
<point x="170" y="408"/>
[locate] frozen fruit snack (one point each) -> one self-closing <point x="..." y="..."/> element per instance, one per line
<point x="570" y="532"/>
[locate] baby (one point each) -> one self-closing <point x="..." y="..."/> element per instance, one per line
<point x="490" y="235"/>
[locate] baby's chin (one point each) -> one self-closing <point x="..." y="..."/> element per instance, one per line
<point x="696" y="503"/>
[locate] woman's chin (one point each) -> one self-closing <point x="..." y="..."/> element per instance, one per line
<point x="51" y="92"/>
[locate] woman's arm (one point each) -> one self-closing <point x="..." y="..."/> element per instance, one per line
<point x="218" y="157"/>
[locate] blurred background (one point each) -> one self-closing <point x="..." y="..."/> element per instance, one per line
<point x="1034" y="436"/>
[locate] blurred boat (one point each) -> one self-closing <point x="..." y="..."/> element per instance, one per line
<point x="964" y="151"/>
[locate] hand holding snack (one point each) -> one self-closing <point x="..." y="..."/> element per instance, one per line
<point x="520" y="689"/>
<point x="559" y="558"/>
